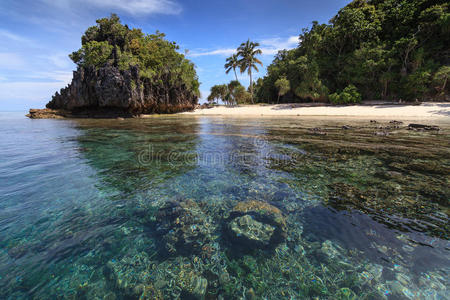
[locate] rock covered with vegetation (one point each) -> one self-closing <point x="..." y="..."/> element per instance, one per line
<point x="126" y="71"/>
<point x="395" y="49"/>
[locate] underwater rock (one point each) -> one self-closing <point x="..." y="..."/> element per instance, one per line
<point x="423" y="127"/>
<point x="399" y="290"/>
<point x="183" y="227"/>
<point x="252" y="231"/>
<point x="256" y="224"/>
<point x="330" y="250"/>
<point x="131" y="276"/>
<point x="149" y="292"/>
<point x="382" y="133"/>
<point x="193" y="286"/>
<point x="317" y="131"/>
<point x="344" y="195"/>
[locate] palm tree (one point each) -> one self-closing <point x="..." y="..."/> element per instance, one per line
<point x="247" y="51"/>
<point x="232" y="64"/>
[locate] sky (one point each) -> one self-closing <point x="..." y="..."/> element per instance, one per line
<point x="36" y="36"/>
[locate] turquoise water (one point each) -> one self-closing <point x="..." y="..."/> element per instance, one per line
<point x="148" y="209"/>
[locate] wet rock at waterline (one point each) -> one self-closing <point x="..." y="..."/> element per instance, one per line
<point x="256" y="224"/>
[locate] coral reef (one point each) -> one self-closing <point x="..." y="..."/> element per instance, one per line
<point x="183" y="226"/>
<point x="256" y="224"/>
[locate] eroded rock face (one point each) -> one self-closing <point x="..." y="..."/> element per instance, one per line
<point x="256" y="224"/>
<point x="122" y="91"/>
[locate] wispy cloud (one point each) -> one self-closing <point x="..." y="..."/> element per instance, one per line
<point x="268" y="46"/>
<point x="5" y="34"/>
<point x="225" y="52"/>
<point x="59" y="60"/>
<point x="11" y="61"/>
<point x="132" y="7"/>
<point x="273" y="45"/>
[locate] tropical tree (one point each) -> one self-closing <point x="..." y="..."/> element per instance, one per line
<point x="219" y="92"/>
<point x="237" y="93"/>
<point x="247" y="51"/>
<point x="440" y="79"/>
<point x="231" y="64"/>
<point x="283" y="86"/>
<point x="388" y="49"/>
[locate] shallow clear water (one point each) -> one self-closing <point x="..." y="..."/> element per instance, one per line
<point x="142" y="208"/>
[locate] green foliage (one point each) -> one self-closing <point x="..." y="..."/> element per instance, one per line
<point x="218" y="93"/>
<point x="283" y="86"/>
<point x="92" y="53"/>
<point x="232" y="63"/>
<point x="386" y="48"/>
<point x="440" y="80"/>
<point x="349" y="95"/>
<point x="415" y="85"/>
<point x="233" y="93"/>
<point x="110" y="42"/>
<point x="238" y="93"/>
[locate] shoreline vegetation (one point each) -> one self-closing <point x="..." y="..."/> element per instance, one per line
<point x="387" y="50"/>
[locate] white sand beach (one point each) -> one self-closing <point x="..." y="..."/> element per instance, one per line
<point x="425" y="110"/>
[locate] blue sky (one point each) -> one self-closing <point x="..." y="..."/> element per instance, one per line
<point x="36" y="36"/>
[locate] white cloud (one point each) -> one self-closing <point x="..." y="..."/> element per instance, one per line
<point x="39" y="92"/>
<point x="268" y="47"/>
<point x="28" y="90"/>
<point x="133" y="7"/>
<point x="225" y="52"/>
<point x="11" y="61"/>
<point x="273" y="45"/>
<point x="59" y="76"/>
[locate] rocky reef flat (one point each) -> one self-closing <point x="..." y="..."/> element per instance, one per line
<point x="289" y="208"/>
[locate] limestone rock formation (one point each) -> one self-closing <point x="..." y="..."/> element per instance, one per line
<point x="124" y="72"/>
<point x="108" y="89"/>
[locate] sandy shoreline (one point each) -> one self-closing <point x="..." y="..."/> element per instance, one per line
<point x="427" y="110"/>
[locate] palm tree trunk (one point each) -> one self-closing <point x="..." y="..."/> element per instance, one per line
<point x="251" y="84"/>
<point x="234" y="69"/>
<point x="278" y="101"/>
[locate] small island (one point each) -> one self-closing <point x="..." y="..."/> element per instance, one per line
<point x="122" y="72"/>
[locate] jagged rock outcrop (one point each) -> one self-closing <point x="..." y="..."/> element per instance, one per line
<point x="108" y="89"/>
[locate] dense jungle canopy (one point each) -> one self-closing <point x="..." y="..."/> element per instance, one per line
<point x="387" y="49"/>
